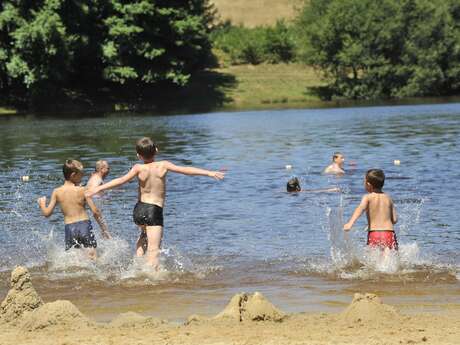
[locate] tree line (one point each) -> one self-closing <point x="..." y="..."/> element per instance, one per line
<point x="384" y="48"/>
<point x="65" y="48"/>
<point x="366" y="49"/>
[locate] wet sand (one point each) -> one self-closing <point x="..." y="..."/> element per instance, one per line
<point x="175" y="298"/>
<point x="247" y="319"/>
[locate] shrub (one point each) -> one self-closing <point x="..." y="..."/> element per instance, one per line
<point x="256" y="45"/>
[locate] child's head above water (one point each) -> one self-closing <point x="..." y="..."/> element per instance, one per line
<point x="102" y="166"/>
<point x="375" y="179"/>
<point x="73" y="170"/>
<point x="338" y="158"/>
<point x="293" y="185"/>
<point x="145" y="148"/>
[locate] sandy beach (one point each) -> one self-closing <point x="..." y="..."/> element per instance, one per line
<point x="247" y="319"/>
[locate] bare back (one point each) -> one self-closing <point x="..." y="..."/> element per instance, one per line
<point x="152" y="183"/>
<point x="380" y="212"/>
<point x="72" y="201"/>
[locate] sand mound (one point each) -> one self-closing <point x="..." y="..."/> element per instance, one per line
<point x="59" y="313"/>
<point x="245" y="307"/>
<point x="368" y="308"/>
<point x="131" y="319"/>
<point x="21" y="298"/>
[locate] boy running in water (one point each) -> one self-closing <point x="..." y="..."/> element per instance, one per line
<point x="148" y="212"/>
<point x="380" y="210"/>
<point x="72" y="200"/>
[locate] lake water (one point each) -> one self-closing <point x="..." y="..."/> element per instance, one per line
<point x="244" y="233"/>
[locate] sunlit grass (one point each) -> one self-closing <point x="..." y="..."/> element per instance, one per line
<point x="256" y="12"/>
<point x="7" y="111"/>
<point x="272" y="86"/>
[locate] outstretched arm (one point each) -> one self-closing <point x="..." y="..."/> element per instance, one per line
<point x="218" y="175"/>
<point x="115" y="182"/>
<point x="326" y="190"/>
<point x="358" y="212"/>
<point x="47" y="210"/>
<point x="99" y="219"/>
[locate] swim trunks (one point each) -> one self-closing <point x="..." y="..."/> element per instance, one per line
<point x="79" y="234"/>
<point x="382" y="239"/>
<point x="148" y="214"/>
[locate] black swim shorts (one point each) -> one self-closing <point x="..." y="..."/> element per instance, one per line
<point x="79" y="234"/>
<point x="148" y="214"/>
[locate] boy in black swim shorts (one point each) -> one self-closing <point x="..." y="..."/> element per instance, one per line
<point x="148" y="212"/>
<point x="72" y="200"/>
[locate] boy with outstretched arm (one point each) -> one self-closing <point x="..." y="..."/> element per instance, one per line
<point x="380" y="210"/>
<point x="72" y="200"/>
<point x="148" y="212"/>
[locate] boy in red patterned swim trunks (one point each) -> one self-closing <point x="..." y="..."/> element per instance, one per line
<point x="380" y="210"/>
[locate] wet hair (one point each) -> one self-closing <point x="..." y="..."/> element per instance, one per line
<point x="336" y="155"/>
<point x="146" y="148"/>
<point x="71" y="166"/>
<point x="293" y="185"/>
<point x="100" y="164"/>
<point x="376" y="178"/>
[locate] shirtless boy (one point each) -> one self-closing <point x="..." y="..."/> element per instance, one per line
<point x="71" y="198"/>
<point x="380" y="210"/>
<point x="148" y="212"/>
<point x="98" y="176"/>
<point x="336" y="167"/>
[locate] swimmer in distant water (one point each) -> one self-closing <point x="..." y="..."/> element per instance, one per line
<point x="100" y="173"/>
<point x="293" y="185"/>
<point x="380" y="210"/>
<point x="336" y="168"/>
<point x="148" y="212"/>
<point x="71" y="199"/>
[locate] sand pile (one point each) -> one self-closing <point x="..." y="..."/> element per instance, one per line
<point x="58" y="313"/>
<point x="21" y="298"/>
<point x="245" y="307"/>
<point x="23" y="306"/>
<point x="131" y="319"/>
<point x="368" y="308"/>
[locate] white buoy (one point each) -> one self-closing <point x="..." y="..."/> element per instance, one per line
<point x="397" y="162"/>
<point x="288" y="167"/>
<point x="25" y="178"/>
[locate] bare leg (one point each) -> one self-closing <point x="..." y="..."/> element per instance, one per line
<point x="154" y="236"/>
<point x="141" y="245"/>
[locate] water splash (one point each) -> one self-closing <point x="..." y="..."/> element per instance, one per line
<point x="350" y="261"/>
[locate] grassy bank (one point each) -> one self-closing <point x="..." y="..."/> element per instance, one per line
<point x="268" y="86"/>
<point x="7" y="111"/>
<point x="256" y="12"/>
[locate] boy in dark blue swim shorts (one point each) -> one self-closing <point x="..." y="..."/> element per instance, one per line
<point x="72" y="200"/>
<point x="148" y="212"/>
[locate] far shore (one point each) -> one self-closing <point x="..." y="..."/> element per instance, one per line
<point x="233" y="88"/>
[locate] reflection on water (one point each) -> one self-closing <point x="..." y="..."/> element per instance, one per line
<point x="245" y="233"/>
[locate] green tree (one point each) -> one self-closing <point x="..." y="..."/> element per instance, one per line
<point x="42" y="45"/>
<point x="52" y="48"/>
<point x="386" y="48"/>
<point x="153" y="41"/>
